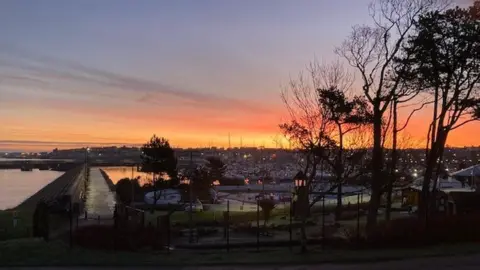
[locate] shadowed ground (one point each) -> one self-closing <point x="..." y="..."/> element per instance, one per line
<point x="460" y="263"/>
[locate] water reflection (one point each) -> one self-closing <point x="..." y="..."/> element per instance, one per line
<point x="100" y="199"/>
<point x="16" y="186"/>
<point x="117" y="173"/>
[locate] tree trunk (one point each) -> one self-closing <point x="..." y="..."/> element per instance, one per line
<point x="430" y="159"/>
<point x="436" y="173"/>
<point x="339" y="173"/>
<point x="393" y="166"/>
<point x="377" y="165"/>
<point x="434" y="155"/>
<point x="338" y="211"/>
<point x="431" y="165"/>
<point x="303" y="239"/>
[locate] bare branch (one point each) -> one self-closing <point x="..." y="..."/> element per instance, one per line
<point x="464" y="123"/>
<point x="412" y="113"/>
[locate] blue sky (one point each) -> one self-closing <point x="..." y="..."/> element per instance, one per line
<point x="207" y="46"/>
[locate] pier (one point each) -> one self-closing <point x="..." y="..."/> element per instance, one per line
<point x="109" y="181"/>
<point x="100" y="198"/>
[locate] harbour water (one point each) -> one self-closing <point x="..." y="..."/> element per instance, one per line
<point x="118" y="173"/>
<point x="100" y="199"/>
<point x="16" y="186"/>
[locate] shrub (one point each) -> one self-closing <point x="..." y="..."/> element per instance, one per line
<point x="413" y="232"/>
<point x="267" y="206"/>
<point x="106" y="237"/>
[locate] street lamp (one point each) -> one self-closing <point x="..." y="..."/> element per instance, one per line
<point x="300" y="183"/>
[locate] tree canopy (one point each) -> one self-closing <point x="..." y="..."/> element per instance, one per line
<point x="126" y="189"/>
<point x="216" y="168"/>
<point x="442" y="58"/>
<point x="158" y="157"/>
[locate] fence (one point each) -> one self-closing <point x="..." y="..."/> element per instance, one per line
<point x="226" y="230"/>
<point x="232" y="229"/>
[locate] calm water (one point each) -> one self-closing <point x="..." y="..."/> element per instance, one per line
<point x="117" y="173"/>
<point x="31" y="159"/>
<point x="16" y="186"/>
<point x="100" y="199"/>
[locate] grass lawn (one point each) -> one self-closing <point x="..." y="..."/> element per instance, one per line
<point x="183" y="218"/>
<point x="35" y="252"/>
<point x="24" y="226"/>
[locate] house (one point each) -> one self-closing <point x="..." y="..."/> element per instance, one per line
<point x="449" y="191"/>
<point x="469" y="176"/>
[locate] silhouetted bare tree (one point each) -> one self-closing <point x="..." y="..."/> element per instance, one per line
<point x="346" y="115"/>
<point x="445" y="63"/>
<point x="321" y="117"/>
<point x="371" y="50"/>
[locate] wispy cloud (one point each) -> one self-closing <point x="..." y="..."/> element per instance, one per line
<point x="31" y="68"/>
<point x="32" y="142"/>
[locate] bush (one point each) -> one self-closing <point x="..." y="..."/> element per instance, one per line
<point x="413" y="232"/>
<point x="267" y="206"/>
<point x="106" y="237"/>
<point x="123" y="189"/>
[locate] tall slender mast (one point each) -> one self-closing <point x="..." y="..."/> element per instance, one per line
<point x="229" y="142"/>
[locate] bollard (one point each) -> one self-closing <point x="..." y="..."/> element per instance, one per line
<point x="98" y="218"/>
<point x="86" y="216"/>
<point x="15" y="219"/>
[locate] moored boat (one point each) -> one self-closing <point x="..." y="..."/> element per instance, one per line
<point x="26" y="168"/>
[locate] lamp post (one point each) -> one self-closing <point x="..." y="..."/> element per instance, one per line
<point x="300" y="183"/>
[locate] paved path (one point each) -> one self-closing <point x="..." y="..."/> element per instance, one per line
<point x="100" y="200"/>
<point x="445" y="263"/>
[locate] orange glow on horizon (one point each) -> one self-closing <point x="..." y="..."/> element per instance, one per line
<point x="189" y="128"/>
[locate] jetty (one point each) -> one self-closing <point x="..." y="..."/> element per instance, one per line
<point x="101" y="199"/>
<point x="109" y="181"/>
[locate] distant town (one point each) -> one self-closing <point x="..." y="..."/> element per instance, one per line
<point x="245" y="162"/>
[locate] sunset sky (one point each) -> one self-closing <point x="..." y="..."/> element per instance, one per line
<point x="93" y="72"/>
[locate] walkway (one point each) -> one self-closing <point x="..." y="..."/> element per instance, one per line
<point x="100" y="200"/>
<point x="470" y="262"/>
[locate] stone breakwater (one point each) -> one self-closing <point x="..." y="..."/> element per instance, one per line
<point x="71" y="184"/>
